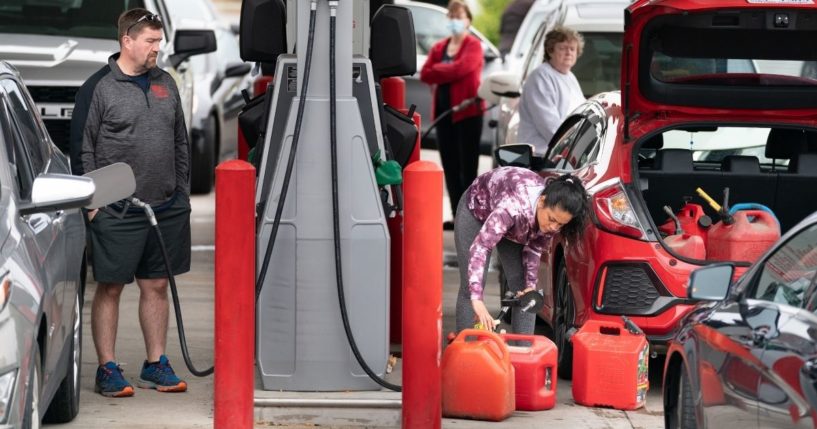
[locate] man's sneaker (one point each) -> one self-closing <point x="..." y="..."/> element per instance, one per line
<point x="110" y="382"/>
<point x="160" y="376"/>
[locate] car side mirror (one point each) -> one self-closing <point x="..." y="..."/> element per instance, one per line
<point x="187" y="43"/>
<point x="514" y="155"/>
<point x="710" y="283"/>
<point x="237" y="69"/>
<point x="112" y="182"/>
<point x="499" y="84"/>
<point x="52" y="192"/>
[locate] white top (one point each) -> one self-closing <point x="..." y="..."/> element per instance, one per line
<point x="547" y="97"/>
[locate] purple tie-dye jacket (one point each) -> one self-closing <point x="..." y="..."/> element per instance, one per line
<point x="504" y="201"/>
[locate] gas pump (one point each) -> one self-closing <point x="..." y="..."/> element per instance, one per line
<point x="322" y="240"/>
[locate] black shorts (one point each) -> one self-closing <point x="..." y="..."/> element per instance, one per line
<point x="128" y="247"/>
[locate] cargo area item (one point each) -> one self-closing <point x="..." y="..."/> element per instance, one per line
<point x="535" y="371"/>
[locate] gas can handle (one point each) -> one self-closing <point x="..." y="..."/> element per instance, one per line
<point x="519" y="337"/>
<point x="481" y="334"/>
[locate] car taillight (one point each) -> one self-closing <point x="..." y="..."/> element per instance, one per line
<point x="259" y="86"/>
<point x="614" y="212"/>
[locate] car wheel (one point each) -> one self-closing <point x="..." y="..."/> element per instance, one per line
<point x="31" y="418"/>
<point x="65" y="404"/>
<point x="204" y="158"/>
<point x="564" y="317"/>
<point x="683" y="415"/>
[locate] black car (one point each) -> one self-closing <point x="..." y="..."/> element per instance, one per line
<point x="746" y="357"/>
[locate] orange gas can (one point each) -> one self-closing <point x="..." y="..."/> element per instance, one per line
<point x="610" y="366"/>
<point x="477" y="377"/>
<point x="535" y="369"/>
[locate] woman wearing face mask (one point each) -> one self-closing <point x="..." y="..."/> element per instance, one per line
<point x="453" y="70"/>
<point x="552" y="90"/>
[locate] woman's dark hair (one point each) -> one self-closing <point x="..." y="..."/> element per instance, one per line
<point x="567" y="193"/>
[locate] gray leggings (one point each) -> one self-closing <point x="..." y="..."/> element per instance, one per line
<point x="466" y="228"/>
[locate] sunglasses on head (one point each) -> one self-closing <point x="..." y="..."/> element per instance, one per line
<point x="149" y="17"/>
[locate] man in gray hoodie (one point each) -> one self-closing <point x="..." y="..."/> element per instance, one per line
<point x="130" y="111"/>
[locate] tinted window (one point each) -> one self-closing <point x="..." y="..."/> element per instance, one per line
<point x="559" y="154"/>
<point x="587" y="144"/>
<point x="787" y="276"/>
<point x="27" y="125"/>
<point x="71" y="18"/>
<point x="599" y="67"/>
<point x="18" y="161"/>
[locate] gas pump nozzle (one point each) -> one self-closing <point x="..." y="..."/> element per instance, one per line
<point x="529" y="302"/>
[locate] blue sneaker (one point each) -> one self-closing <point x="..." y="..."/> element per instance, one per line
<point x="110" y="382"/>
<point x="160" y="376"/>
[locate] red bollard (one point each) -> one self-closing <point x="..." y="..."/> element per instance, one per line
<point x="422" y="295"/>
<point x="235" y="296"/>
<point x="394" y="92"/>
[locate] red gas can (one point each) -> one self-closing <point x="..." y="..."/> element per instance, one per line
<point x="690" y="246"/>
<point x="477" y="377"/>
<point x="535" y="369"/>
<point x="690" y="218"/>
<point x="610" y="366"/>
<point x="751" y="234"/>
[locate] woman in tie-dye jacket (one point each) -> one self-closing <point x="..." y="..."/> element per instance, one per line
<point x="517" y="212"/>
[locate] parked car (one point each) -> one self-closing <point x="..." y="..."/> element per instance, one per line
<point x="684" y="79"/>
<point x="219" y="76"/>
<point x="541" y="12"/>
<point x="746" y="357"/>
<point x="430" y="26"/>
<point x="57" y="45"/>
<point x="600" y="22"/>
<point x="41" y="266"/>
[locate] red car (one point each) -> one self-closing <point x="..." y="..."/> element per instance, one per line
<point x="713" y="98"/>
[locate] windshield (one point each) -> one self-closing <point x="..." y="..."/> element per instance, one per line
<point x="70" y="18"/>
<point x="599" y="67"/>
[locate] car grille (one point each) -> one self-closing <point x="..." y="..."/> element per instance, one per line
<point x="60" y="132"/>
<point x="629" y="288"/>
<point x="53" y="94"/>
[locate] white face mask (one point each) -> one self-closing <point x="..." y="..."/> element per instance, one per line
<point x="456" y="26"/>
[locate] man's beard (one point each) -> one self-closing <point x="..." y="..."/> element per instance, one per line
<point x="150" y="62"/>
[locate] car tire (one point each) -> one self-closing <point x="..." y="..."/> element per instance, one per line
<point x="203" y="158"/>
<point x="65" y="404"/>
<point x="31" y="418"/>
<point x="683" y="415"/>
<point x="564" y="317"/>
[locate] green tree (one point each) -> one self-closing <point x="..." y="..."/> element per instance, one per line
<point x="488" y="18"/>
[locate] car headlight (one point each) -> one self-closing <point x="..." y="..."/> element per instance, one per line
<point x="6" y="387"/>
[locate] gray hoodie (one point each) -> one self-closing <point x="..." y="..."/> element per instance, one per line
<point x="114" y="120"/>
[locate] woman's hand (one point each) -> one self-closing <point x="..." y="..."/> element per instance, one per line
<point x="524" y="291"/>
<point x="482" y="315"/>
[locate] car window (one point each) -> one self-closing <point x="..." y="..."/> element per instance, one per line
<point x="536" y="56"/>
<point x="18" y="161"/>
<point x="71" y="18"/>
<point x="787" y="276"/>
<point x="586" y="144"/>
<point x="599" y="67"/>
<point x="26" y="120"/>
<point x="430" y="26"/>
<point x="559" y="154"/>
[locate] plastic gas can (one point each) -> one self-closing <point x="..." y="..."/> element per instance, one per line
<point x="746" y="239"/>
<point x="535" y="369"/>
<point x="690" y="246"/>
<point x="478" y="377"/>
<point x="693" y="221"/>
<point x="610" y="366"/>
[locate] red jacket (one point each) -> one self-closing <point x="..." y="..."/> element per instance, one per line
<point x="463" y="74"/>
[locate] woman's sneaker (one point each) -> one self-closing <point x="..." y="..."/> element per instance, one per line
<point x="110" y="382"/>
<point x="160" y="376"/>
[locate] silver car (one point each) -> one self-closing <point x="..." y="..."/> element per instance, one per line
<point x="220" y="77"/>
<point x="42" y="243"/>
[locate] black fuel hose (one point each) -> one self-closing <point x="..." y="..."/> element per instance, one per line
<point x="262" y="274"/>
<point x="333" y="139"/>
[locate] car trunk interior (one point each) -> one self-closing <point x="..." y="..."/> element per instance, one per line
<point x="772" y="166"/>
